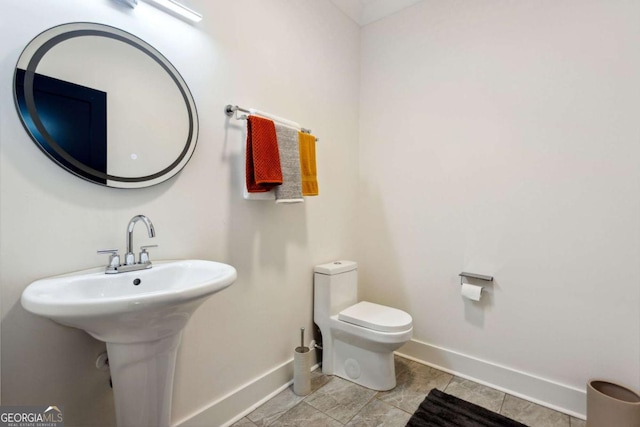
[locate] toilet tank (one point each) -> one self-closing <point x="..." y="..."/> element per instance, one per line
<point x="335" y="287"/>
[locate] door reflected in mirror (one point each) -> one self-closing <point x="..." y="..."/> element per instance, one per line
<point x="105" y="105"/>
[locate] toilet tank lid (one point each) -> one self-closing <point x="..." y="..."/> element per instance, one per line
<point x="336" y="267"/>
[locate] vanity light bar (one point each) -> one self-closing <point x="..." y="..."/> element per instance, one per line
<point x="178" y="8"/>
<point x="132" y="3"/>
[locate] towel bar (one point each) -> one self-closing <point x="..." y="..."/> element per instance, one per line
<point x="475" y="276"/>
<point x="229" y="110"/>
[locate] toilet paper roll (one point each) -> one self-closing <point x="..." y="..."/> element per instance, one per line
<point x="471" y="292"/>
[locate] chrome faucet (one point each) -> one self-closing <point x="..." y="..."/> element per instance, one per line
<point x="129" y="257"/>
<point x="130" y="263"/>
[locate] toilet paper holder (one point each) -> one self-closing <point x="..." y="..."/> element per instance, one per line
<point x="474" y="276"/>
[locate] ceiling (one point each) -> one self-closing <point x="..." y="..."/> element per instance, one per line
<point x="365" y="12"/>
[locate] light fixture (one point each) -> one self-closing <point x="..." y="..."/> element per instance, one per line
<point x="132" y="3"/>
<point x="171" y="6"/>
<point x="177" y="8"/>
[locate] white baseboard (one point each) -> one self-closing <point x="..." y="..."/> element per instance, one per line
<point x="232" y="407"/>
<point x="545" y="392"/>
<point x="237" y="404"/>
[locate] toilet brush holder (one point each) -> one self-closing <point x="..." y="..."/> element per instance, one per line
<point x="302" y="371"/>
<point x="302" y="368"/>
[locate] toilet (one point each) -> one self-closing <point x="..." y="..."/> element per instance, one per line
<point x="358" y="338"/>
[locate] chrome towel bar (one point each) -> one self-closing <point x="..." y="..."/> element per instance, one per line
<point x="230" y="110"/>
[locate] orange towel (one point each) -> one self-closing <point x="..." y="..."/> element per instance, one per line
<point x="307" y="144"/>
<point x="263" y="158"/>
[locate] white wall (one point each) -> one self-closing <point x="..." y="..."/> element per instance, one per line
<point x="502" y="138"/>
<point x="295" y="59"/>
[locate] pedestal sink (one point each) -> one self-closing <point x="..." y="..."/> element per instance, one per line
<point x="140" y="315"/>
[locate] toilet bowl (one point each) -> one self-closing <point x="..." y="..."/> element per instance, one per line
<point x="358" y="338"/>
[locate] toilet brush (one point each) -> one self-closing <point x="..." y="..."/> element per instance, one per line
<point x="302" y="368"/>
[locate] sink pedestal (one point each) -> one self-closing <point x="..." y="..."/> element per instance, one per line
<point x="142" y="376"/>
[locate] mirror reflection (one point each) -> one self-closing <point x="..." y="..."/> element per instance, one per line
<point x="105" y="105"/>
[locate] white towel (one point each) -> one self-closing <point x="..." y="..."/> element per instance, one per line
<point x="266" y="195"/>
<point x="285" y="122"/>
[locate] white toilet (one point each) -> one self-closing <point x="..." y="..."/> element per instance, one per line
<point x="358" y="338"/>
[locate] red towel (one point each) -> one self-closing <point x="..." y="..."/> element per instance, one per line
<point x="263" y="158"/>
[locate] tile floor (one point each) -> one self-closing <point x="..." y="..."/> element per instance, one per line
<point x="335" y="402"/>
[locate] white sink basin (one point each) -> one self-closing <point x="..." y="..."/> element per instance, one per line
<point x="140" y="315"/>
<point x="113" y="308"/>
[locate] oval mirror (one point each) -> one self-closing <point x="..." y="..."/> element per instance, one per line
<point x="105" y="105"/>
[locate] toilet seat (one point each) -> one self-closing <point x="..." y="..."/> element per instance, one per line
<point x="376" y="317"/>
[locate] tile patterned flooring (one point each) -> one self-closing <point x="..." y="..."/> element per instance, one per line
<point x="335" y="402"/>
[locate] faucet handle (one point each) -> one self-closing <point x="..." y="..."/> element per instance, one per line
<point x="114" y="259"/>
<point x="108" y="251"/>
<point x="144" y="255"/>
